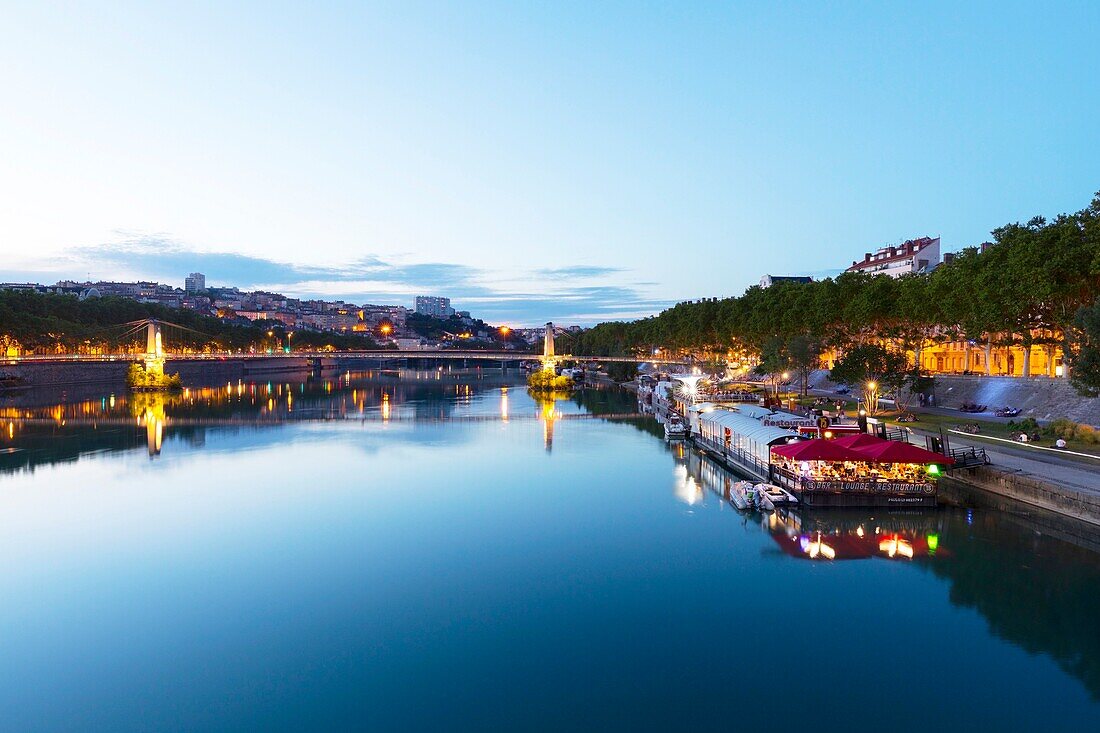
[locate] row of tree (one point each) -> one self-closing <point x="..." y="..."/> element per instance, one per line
<point x="1024" y="288"/>
<point x="52" y="323"/>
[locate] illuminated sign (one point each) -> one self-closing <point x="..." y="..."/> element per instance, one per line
<point x="868" y="487"/>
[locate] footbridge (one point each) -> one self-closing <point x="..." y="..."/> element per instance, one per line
<point x="451" y="354"/>
<point x="156" y="349"/>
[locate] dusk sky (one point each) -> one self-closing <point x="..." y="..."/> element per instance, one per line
<point x="569" y="161"/>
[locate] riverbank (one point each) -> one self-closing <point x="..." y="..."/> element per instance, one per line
<point x="1047" y="480"/>
<point x="23" y="375"/>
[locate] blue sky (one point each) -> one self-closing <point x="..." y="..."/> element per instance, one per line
<point x="534" y="161"/>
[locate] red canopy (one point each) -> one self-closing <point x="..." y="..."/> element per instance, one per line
<point x="859" y="440"/>
<point x="817" y="450"/>
<point x="895" y="451"/>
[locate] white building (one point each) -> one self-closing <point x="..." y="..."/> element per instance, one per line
<point x="915" y="255"/>
<point x="768" y="280"/>
<point x="194" y="283"/>
<point x="436" y="307"/>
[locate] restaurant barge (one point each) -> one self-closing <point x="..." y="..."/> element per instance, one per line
<point x="857" y="470"/>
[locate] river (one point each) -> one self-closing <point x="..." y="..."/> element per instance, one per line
<point x="437" y="552"/>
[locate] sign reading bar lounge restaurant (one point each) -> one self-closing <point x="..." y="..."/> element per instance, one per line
<point x="875" y="487"/>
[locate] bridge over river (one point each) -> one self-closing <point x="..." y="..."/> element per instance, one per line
<point x="156" y="350"/>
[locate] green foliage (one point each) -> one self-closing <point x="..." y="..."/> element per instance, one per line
<point x="1083" y="350"/>
<point x="1027" y="425"/>
<point x="1064" y="428"/>
<point x="871" y="363"/>
<point x="622" y="371"/>
<point x="51" y="322"/>
<point x="919" y="382"/>
<point x="1024" y="288"/>
<point x="545" y="380"/>
<point x="137" y="377"/>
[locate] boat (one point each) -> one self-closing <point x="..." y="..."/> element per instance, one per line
<point x="769" y="496"/>
<point x="741" y="494"/>
<point x="675" y="430"/>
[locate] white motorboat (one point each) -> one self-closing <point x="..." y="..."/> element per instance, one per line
<point x="675" y="430"/>
<point x="769" y="496"/>
<point x="741" y="494"/>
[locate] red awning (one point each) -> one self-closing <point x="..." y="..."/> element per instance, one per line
<point x="818" y="450"/>
<point x="859" y="440"/>
<point x="895" y="451"/>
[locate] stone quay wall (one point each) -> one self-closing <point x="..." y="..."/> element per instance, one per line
<point x="1030" y="489"/>
<point x="52" y="374"/>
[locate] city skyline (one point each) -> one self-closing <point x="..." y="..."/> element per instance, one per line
<point x="572" y="164"/>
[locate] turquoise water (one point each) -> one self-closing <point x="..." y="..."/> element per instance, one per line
<point x="430" y="554"/>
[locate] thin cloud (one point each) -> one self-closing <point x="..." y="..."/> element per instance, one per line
<point x="372" y="279"/>
<point x="577" y="271"/>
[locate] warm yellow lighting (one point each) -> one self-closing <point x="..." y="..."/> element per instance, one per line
<point x="504" y="330"/>
<point x="894" y="546"/>
<point x="872" y="385"/>
<point x="817" y="548"/>
<point x="786" y="376"/>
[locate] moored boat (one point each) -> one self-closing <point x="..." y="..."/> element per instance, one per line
<point x="674" y="429"/>
<point x="741" y="494"/>
<point x="770" y="496"/>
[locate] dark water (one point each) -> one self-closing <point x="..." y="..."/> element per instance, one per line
<point x="429" y="554"/>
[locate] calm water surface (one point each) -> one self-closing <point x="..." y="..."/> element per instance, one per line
<point x="436" y="554"/>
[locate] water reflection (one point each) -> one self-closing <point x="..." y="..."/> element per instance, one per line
<point x="44" y="432"/>
<point x="148" y="408"/>
<point x="1035" y="589"/>
<point x="548" y="413"/>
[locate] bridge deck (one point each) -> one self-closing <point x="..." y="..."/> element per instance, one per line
<point x="389" y="354"/>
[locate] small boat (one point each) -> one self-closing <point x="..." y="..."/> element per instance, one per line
<point x="769" y="496"/>
<point x="741" y="494"/>
<point x="675" y="430"/>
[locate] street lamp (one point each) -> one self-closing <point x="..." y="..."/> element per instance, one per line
<point x="871" y="396"/>
<point x="782" y="378"/>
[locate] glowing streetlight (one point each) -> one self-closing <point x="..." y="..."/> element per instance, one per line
<point x="504" y="330"/>
<point x="871" y="396"/>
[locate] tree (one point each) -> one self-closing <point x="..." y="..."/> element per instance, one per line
<point x="1083" y="352"/>
<point x="805" y="354"/>
<point x="873" y="369"/>
<point x="622" y="371"/>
